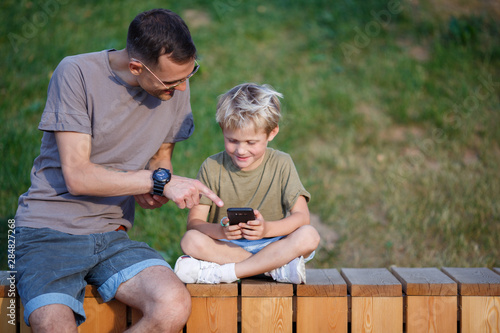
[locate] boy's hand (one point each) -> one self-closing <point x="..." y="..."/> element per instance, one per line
<point x="231" y="231"/>
<point x="253" y="230"/>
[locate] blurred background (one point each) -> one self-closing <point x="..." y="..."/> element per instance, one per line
<point x="391" y="113"/>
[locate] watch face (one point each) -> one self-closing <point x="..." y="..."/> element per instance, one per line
<point x="161" y="175"/>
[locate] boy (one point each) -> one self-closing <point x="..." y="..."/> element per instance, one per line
<point x="249" y="174"/>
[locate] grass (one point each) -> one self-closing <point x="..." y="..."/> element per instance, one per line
<point x="391" y="120"/>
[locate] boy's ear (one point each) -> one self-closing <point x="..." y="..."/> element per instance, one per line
<point x="273" y="133"/>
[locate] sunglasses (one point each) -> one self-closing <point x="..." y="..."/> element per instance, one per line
<point x="196" y="67"/>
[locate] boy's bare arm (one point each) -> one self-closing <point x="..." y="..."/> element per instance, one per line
<point x="197" y="220"/>
<point x="299" y="216"/>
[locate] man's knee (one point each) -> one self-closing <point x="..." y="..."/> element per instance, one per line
<point x="170" y="302"/>
<point x="53" y="318"/>
<point x="161" y="297"/>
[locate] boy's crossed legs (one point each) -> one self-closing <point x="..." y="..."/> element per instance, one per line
<point x="236" y="262"/>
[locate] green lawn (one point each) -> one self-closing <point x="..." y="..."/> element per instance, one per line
<point x="391" y="113"/>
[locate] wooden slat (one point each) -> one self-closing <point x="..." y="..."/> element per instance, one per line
<point x="425" y="281"/>
<point x="213" y="314"/>
<point x="261" y="288"/>
<point x="266" y="306"/>
<point x="431" y="301"/>
<point x="91" y="291"/>
<point x="371" y="282"/>
<point x="103" y="317"/>
<point x="322" y="304"/>
<point x="8" y="316"/>
<point x="9" y="307"/>
<point x="266" y="314"/>
<point x="322" y="314"/>
<point x="480" y="314"/>
<point x="214" y="308"/>
<point x="323" y="282"/>
<point x="431" y="314"/>
<point x="219" y="290"/>
<point x="377" y="314"/>
<point x="475" y="281"/>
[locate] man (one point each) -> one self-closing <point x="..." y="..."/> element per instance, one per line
<point x="110" y="125"/>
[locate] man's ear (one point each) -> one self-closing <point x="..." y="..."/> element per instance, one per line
<point x="273" y="133"/>
<point x="135" y="67"/>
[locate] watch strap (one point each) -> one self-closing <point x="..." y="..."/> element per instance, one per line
<point x="158" y="187"/>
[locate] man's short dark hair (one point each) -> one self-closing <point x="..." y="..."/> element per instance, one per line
<point x="157" y="32"/>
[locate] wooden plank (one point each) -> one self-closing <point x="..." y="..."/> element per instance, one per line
<point x="214" y="308"/>
<point x="323" y="282"/>
<point x="219" y="290"/>
<point x="213" y="314"/>
<point x="371" y="282"/>
<point x="103" y="317"/>
<point x="8" y="315"/>
<point x="322" y="304"/>
<point x="266" y="306"/>
<point x="480" y="314"/>
<point x="266" y="314"/>
<point x="425" y="281"/>
<point x="475" y="281"/>
<point x="377" y="314"/>
<point x="322" y="314"/>
<point x="431" y="302"/>
<point x="9" y="307"/>
<point x="431" y="314"/>
<point x="261" y="288"/>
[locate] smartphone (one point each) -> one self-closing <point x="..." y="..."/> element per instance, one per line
<point x="238" y="215"/>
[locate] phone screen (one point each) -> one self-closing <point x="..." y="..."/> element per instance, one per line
<point x="239" y="215"/>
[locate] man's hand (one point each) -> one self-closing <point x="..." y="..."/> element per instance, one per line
<point x="149" y="201"/>
<point x="186" y="192"/>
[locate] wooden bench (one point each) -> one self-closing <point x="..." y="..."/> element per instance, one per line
<point x="431" y="300"/>
<point x="352" y="300"/>
<point x="479" y="298"/>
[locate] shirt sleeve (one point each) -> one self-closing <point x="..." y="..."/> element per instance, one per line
<point x="66" y="106"/>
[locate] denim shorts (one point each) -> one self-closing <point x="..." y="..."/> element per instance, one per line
<point x="254" y="246"/>
<point x="54" y="267"/>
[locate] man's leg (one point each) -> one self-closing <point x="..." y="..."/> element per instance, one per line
<point x="161" y="297"/>
<point x="53" y="318"/>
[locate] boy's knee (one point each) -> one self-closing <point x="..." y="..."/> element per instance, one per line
<point x="310" y="237"/>
<point x="191" y="242"/>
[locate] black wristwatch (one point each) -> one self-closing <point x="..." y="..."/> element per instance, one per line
<point x="161" y="177"/>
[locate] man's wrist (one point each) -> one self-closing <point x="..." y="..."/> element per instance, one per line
<point x="161" y="177"/>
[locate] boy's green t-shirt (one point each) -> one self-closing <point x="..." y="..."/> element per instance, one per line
<point x="272" y="188"/>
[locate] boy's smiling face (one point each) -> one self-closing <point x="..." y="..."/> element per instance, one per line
<point x="246" y="146"/>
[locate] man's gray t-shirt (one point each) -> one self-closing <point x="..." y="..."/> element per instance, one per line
<point x="127" y="126"/>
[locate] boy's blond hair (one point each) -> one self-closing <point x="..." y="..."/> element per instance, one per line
<point x="249" y="102"/>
